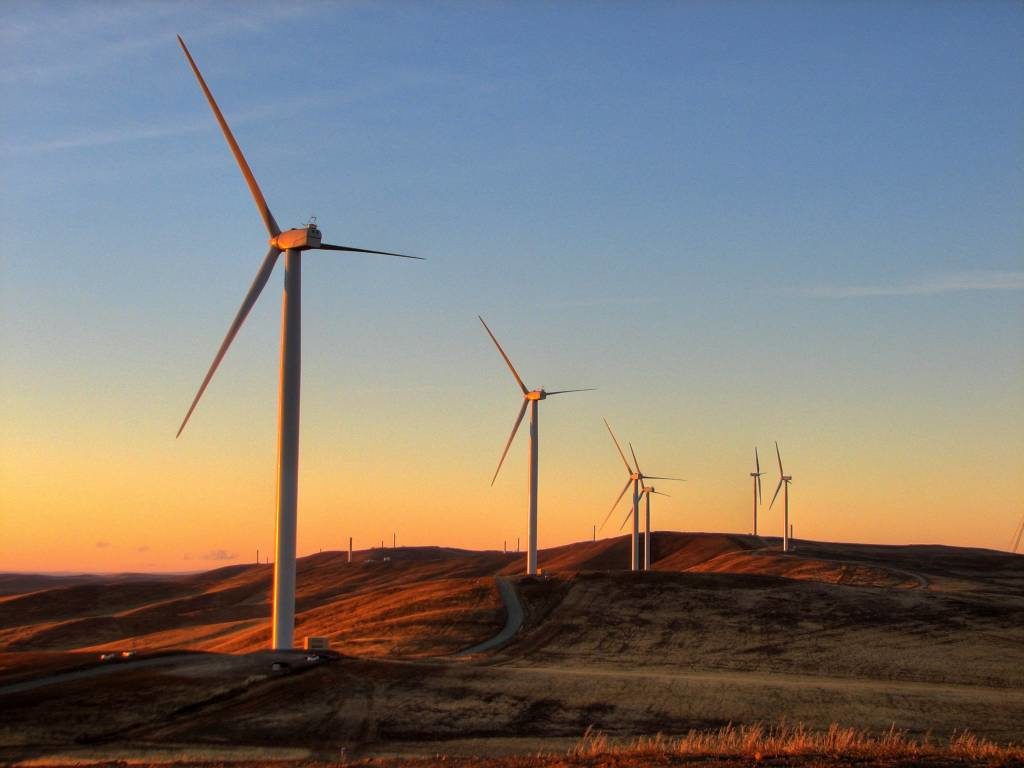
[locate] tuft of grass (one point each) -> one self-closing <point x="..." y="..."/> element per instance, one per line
<point x="759" y="741"/>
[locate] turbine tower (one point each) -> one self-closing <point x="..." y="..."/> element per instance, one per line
<point x="784" y="479"/>
<point x="758" y="497"/>
<point x="530" y="398"/>
<point x="292" y="243"/>
<point x="636" y="478"/>
<point x="646" y="492"/>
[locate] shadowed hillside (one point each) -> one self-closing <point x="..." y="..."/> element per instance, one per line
<point x="432" y="601"/>
<point x="725" y="629"/>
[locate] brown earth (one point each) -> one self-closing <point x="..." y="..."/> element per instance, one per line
<point x="724" y="629"/>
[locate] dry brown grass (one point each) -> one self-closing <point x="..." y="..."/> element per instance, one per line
<point x="759" y="742"/>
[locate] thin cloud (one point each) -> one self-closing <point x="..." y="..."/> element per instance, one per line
<point x="219" y="554"/>
<point x="160" y="130"/>
<point x="102" y="544"/>
<point x="607" y="301"/>
<point x="934" y="285"/>
<point x="87" y="40"/>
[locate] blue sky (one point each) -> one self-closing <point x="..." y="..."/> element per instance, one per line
<point x="741" y="221"/>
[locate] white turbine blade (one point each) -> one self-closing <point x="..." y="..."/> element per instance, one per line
<point x="254" y="188"/>
<point x="258" y="283"/>
<point x="659" y="477"/>
<point x="563" y="391"/>
<point x="617" y="500"/>
<point x="624" y="461"/>
<point x="779" y="455"/>
<point x="328" y="247"/>
<point x="515" y="428"/>
<point x="1020" y="532"/>
<point x="760" y="493"/>
<point x="757" y="462"/>
<point x="628" y="515"/>
<point x="636" y="461"/>
<point x="776" y="493"/>
<point x="511" y="367"/>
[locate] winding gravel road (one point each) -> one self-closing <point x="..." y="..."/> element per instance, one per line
<point x="513" y="619"/>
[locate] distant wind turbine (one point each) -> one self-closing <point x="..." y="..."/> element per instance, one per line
<point x="292" y="243"/>
<point x="530" y="398"/>
<point x="636" y="479"/>
<point x="784" y="479"/>
<point x="646" y="492"/>
<point x="758" y="497"/>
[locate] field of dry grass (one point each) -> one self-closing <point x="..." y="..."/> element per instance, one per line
<point x="929" y="640"/>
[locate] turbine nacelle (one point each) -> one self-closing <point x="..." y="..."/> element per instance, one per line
<point x="537" y="394"/>
<point x="302" y="239"/>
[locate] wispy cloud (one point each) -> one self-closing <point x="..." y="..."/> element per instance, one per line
<point x="606" y="301"/>
<point x="143" y="131"/>
<point x="933" y="285"/>
<point x="218" y="554"/>
<point x="61" y="41"/>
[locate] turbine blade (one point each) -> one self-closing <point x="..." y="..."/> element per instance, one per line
<point x="780" y="458"/>
<point x="636" y="462"/>
<point x="624" y="461"/>
<point x="515" y="428"/>
<point x="255" y="289"/>
<point x="254" y="188"/>
<point x="328" y="247"/>
<point x="511" y="367"/>
<point x="563" y="391"/>
<point x="757" y="462"/>
<point x="659" y="493"/>
<point x="659" y="477"/>
<point x="760" y="493"/>
<point x="624" y="489"/>
<point x="628" y="515"/>
<point x="1020" y="532"/>
<point x="776" y="493"/>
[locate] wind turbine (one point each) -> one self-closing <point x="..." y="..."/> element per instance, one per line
<point x="758" y="497"/>
<point x="783" y="479"/>
<point x="1017" y="536"/>
<point x="530" y="398"/>
<point x="636" y="478"/>
<point x="292" y="243"/>
<point x="646" y="492"/>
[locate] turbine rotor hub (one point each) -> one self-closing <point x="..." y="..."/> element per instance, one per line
<point x="301" y="239"/>
<point x="537" y="394"/>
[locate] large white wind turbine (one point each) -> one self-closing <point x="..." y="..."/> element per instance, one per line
<point x="530" y="398"/>
<point x="758" y="497"/>
<point x="636" y="479"/>
<point x="784" y="479"/>
<point x="292" y="243"/>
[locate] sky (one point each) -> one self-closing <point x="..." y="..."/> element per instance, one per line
<point x="741" y="222"/>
